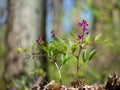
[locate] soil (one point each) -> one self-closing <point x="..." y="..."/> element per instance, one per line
<point x="112" y="83"/>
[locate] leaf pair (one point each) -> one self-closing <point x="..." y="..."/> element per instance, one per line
<point x="64" y="58"/>
<point x="87" y="56"/>
<point x="73" y="47"/>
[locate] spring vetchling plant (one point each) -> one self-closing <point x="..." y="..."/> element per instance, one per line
<point x="62" y="50"/>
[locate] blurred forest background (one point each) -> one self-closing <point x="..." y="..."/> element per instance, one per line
<point x="23" y="21"/>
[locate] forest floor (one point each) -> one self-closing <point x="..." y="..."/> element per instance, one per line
<point x="112" y="83"/>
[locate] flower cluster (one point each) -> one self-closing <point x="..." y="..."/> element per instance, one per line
<point x="80" y="36"/>
<point x="39" y="40"/>
<point x="84" y="25"/>
<point x="52" y="34"/>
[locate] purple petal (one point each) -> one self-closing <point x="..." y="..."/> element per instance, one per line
<point x="84" y="22"/>
<point x="86" y="32"/>
<point x="80" y="37"/>
<point x="84" y="29"/>
<point x="37" y="41"/>
<point x="80" y="24"/>
<point x="52" y="31"/>
<point x="53" y="35"/>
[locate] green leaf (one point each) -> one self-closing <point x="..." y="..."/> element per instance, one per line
<point x="51" y="53"/>
<point x="37" y="71"/>
<point x="88" y="39"/>
<point x="26" y="50"/>
<point x="64" y="58"/>
<point x="108" y="42"/>
<point x="34" y="43"/>
<point x="72" y="35"/>
<point x="97" y="37"/>
<point x="92" y="54"/>
<point x="73" y="48"/>
<point x="70" y="42"/>
<point x="67" y="56"/>
<point x="88" y="56"/>
<point x="19" y="49"/>
<point x="63" y="43"/>
<point x="84" y="56"/>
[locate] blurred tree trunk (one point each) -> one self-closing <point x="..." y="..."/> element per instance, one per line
<point x="26" y="21"/>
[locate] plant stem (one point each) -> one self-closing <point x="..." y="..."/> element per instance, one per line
<point x="78" y="56"/>
<point x="59" y="72"/>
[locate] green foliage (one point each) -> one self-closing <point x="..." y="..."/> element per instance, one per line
<point x="73" y="47"/>
<point x="62" y="50"/>
<point x="64" y="58"/>
<point x="19" y="49"/>
<point x="37" y="71"/>
<point x="88" y="39"/>
<point x="87" y="56"/>
<point x="92" y="54"/>
<point x="108" y="42"/>
<point x="97" y="38"/>
<point x="19" y="84"/>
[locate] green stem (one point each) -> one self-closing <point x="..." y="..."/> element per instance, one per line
<point x="78" y="56"/>
<point x="59" y="73"/>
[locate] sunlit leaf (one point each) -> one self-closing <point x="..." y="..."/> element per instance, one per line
<point x="34" y="43"/>
<point x="64" y="58"/>
<point x="37" y="71"/>
<point x="97" y="37"/>
<point x="19" y="49"/>
<point x="26" y="50"/>
<point x="88" y="39"/>
<point x="63" y="43"/>
<point x="51" y="53"/>
<point x="84" y="56"/>
<point x="92" y="54"/>
<point x="72" y="46"/>
<point x="108" y="42"/>
<point x="72" y="35"/>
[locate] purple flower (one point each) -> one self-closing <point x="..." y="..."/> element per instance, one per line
<point x="84" y="29"/>
<point x="84" y="25"/>
<point x="86" y="32"/>
<point x="80" y="36"/>
<point x="52" y="34"/>
<point x="39" y="40"/>
<point x="84" y="22"/>
<point x="80" y="24"/>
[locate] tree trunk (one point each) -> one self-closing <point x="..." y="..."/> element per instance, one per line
<point x="26" y="21"/>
